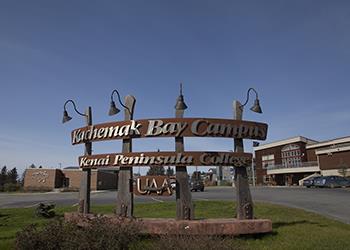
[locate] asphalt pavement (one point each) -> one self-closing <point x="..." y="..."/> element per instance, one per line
<point x="334" y="203"/>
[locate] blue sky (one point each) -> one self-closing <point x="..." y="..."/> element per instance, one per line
<point x="295" y="53"/>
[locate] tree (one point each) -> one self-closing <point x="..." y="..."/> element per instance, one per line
<point x="32" y="166"/>
<point x="3" y="176"/>
<point x="12" y="176"/>
<point x="169" y="171"/>
<point x="156" y="170"/>
<point x="21" y="181"/>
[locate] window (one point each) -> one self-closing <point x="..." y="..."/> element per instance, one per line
<point x="268" y="160"/>
<point x="291" y="156"/>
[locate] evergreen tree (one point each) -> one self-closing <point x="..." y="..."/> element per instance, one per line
<point x="169" y="171"/>
<point x="32" y="166"/>
<point x="12" y="176"/>
<point x="3" y="176"/>
<point x="156" y="170"/>
<point x="21" y="181"/>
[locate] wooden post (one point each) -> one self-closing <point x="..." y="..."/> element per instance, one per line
<point x="184" y="206"/>
<point x="125" y="196"/>
<point x="244" y="205"/>
<point x="85" y="183"/>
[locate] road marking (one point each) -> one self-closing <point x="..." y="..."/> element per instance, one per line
<point x="156" y="199"/>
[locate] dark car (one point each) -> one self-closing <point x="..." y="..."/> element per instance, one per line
<point x="196" y="183"/>
<point x="310" y="182"/>
<point x="332" y="181"/>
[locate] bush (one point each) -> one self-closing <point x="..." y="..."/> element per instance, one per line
<point x="226" y="183"/>
<point x="198" y="242"/>
<point x="102" y="234"/>
<point x="37" y="189"/>
<point x="69" y="189"/>
<point x="99" y="234"/>
<point x="11" y="187"/>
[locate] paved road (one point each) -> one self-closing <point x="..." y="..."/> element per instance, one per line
<point x="333" y="203"/>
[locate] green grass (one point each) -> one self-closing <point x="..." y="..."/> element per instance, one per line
<point x="292" y="228"/>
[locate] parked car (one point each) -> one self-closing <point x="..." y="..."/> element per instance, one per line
<point x="310" y="182"/>
<point x="196" y="183"/>
<point x="332" y="181"/>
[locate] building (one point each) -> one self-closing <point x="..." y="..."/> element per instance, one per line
<point x="45" y="179"/>
<point x="227" y="174"/>
<point x="288" y="161"/>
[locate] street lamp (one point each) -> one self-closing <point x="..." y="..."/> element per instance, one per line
<point x="180" y="103"/>
<point x="85" y="184"/>
<point x="125" y="198"/>
<point x="256" y="107"/>
<point x="113" y="110"/>
<point x="66" y="117"/>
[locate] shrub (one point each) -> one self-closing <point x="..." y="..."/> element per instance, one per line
<point x="225" y="183"/>
<point x="11" y="187"/>
<point x="197" y="242"/>
<point x="69" y="189"/>
<point x="99" y="234"/>
<point x="37" y="189"/>
<point x="45" y="210"/>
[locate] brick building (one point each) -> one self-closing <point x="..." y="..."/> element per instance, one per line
<point x="45" y="179"/>
<point x="288" y="161"/>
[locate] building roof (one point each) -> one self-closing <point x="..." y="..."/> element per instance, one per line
<point x="286" y="141"/>
<point x="335" y="141"/>
<point x="71" y="167"/>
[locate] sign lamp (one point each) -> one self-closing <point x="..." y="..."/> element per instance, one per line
<point x="256" y="107"/>
<point x="66" y="117"/>
<point x="113" y="110"/>
<point x="180" y="103"/>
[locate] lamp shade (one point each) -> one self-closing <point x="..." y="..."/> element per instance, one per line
<point x="113" y="109"/>
<point x="66" y="117"/>
<point x="180" y="103"/>
<point x="256" y="107"/>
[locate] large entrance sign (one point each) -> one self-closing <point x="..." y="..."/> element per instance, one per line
<point x="166" y="159"/>
<point x="179" y="127"/>
<point x="171" y="127"/>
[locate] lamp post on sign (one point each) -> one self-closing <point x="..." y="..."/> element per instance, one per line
<point x="184" y="205"/>
<point x="244" y="199"/>
<point x="85" y="184"/>
<point x="125" y="196"/>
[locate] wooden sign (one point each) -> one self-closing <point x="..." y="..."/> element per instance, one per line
<point x="170" y="127"/>
<point x="153" y="185"/>
<point x="189" y="158"/>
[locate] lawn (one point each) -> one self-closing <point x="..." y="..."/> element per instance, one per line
<point x="292" y="228"/>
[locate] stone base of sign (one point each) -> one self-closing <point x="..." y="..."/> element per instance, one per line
<point x="190" y="227"/>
